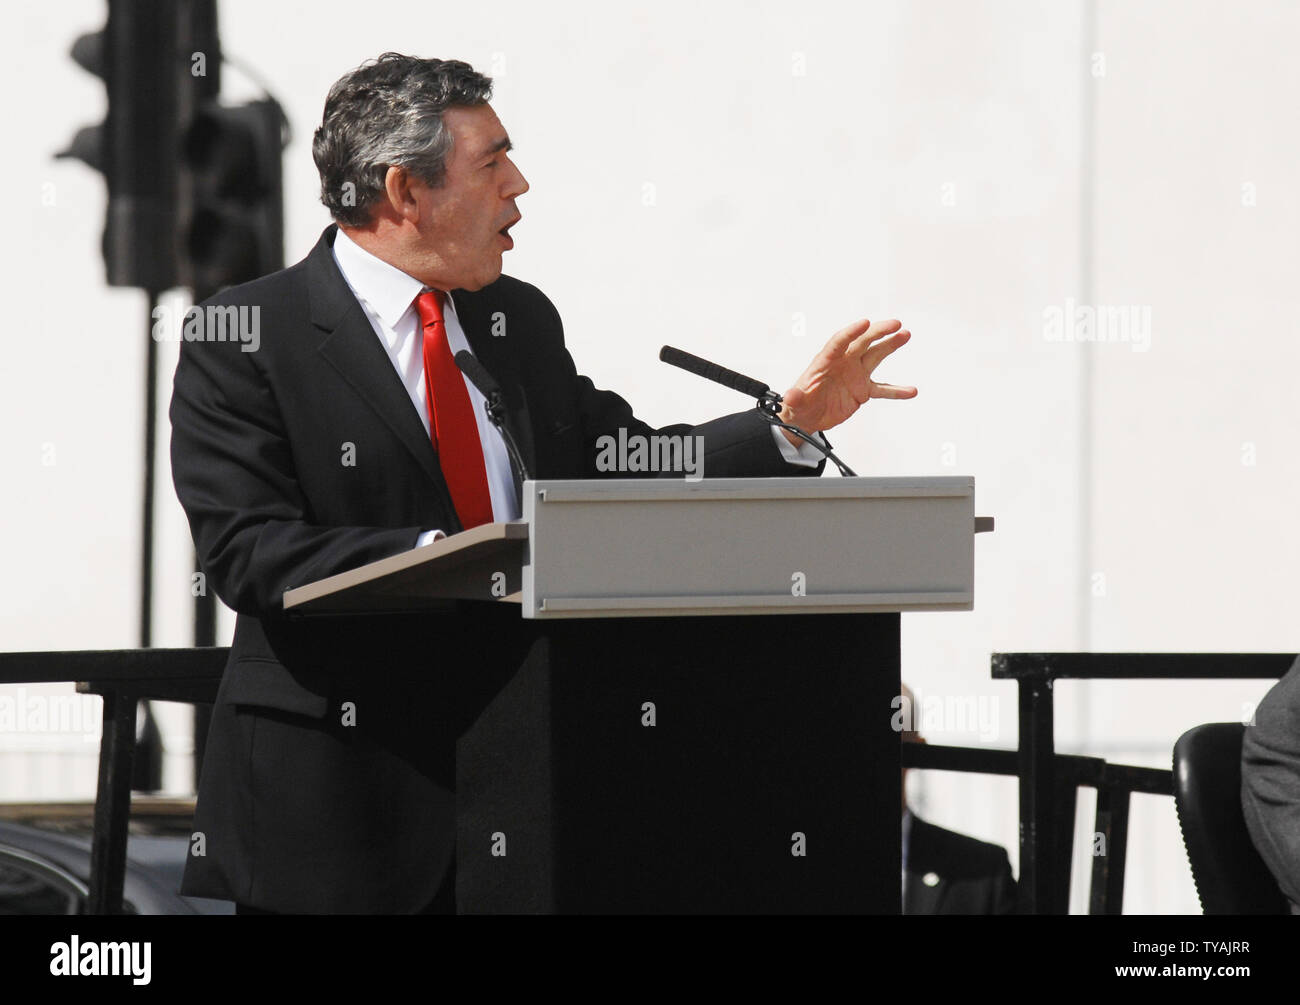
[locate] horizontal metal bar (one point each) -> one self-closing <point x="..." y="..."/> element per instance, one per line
<point x="1153" y="781"/>
<point x="1074" y="769"/>
<point x="116" y="665"/>
<point x="980" y="760"/>
<point x="191" y="690"/>
<point x="1141" y="666"/>
<point x="784" y="601"/>
<point x="991" y="761"/>
<point x="740" y="491"/>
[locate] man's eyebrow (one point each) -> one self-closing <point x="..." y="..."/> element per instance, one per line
<point x="501" y="144"/>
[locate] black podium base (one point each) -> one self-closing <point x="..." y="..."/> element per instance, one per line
<point x="719" y="765"/>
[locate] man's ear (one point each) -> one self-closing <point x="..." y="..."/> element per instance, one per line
<point x="399" y="194"/>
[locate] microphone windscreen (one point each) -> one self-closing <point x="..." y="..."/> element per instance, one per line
<point x="711" y="371"/>
<point x="477" y="373"/>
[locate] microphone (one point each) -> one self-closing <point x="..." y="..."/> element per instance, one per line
<point x="478" y="376"/>
<point x="768" y="401"/>
<point x="711" y="371"/>
<point x="495" y="400"/>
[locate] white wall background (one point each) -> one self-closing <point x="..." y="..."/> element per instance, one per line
<point x="962" y="165"/>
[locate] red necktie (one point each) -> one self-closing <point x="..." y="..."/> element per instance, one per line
<point x="451" y="418"/>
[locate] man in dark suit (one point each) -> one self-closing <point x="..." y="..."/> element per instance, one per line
<point x="945" y="872"/>
<point x="345" y="435"/>
<point x="1270" y="782"/>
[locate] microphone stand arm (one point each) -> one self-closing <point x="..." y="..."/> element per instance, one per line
<point x="497" y="413"/>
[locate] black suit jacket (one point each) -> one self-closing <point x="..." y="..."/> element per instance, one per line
<point x="950" y="873"/>
<point x="299" y="808"/>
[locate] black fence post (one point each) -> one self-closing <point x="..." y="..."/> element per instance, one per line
<point x="112" y="804"/>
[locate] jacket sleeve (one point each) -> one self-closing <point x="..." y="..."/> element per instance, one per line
<point x="234" y="474"/>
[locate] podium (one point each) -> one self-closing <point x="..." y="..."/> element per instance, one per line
<point x="702" y="718"/>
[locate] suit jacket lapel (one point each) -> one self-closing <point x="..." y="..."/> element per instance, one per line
<point x="350" y="346"/>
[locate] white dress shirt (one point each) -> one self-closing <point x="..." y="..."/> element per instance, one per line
<point x="387" y="297"/>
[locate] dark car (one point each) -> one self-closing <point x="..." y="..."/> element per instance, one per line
<point x="45" y="859"/>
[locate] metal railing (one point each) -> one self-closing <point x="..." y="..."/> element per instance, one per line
<point x="122" y="678"/>
<point x="1045" y="775"/>
<point x="1114" y="784"/>
<point x="1048" y="781"/>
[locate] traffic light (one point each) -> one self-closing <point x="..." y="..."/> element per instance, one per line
<point x="137" y="57"/>
<point x="194" y="186"/>
<point x="235" y="229"/>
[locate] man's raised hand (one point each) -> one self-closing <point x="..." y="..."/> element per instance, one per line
<point x="839" y="379"/>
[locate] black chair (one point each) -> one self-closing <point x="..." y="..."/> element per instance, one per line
<point x="1230" y="876"/>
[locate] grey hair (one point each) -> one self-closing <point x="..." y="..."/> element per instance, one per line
<point x="388" y="113"/>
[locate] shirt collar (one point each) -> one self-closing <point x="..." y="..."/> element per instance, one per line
<point x="387" y="290"/>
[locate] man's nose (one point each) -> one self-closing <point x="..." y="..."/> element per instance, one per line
<point x="520" y="185"/>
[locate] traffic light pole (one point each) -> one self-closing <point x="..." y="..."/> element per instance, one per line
<point x="146" y="767"/>
<point x="150" y="445"/>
